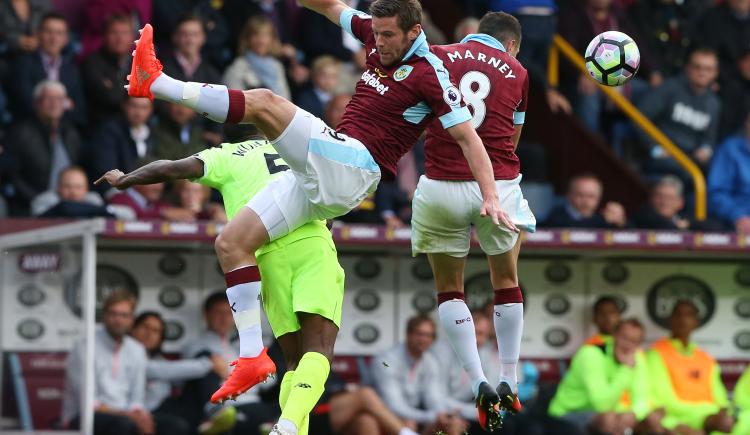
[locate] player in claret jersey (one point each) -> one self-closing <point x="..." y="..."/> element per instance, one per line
<point x="447" y="202"/>
<point x="404" y="88"/>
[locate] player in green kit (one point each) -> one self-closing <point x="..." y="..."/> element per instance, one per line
<point x="303" y="283"/>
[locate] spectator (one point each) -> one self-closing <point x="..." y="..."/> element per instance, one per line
<point x="729" y="181"/>
<point x="742" y="403"/>
<point x="735" y="94"/>
<point x="162" y="374"/>
<point x="663" y="210"/>
<point x="325" y="76"/>
<point x="194" y="197"/>
<point x="215" y="341"/>
<point x="256" y="65"/>
<point x="606" y="318"/>
<point x="71" y="198"/>
<point x="685" y="380"/>
<point x="146" y="203"/>
<point x="48" y="62"/>
<point x="591" y="393"/>
<point x="186" y="63"/>
<point x="666" y="25"/>
<point x="44" y="145"/>
<point x="579" y="25"/>
<point x="119" y="376"/>
<point x="408" y="379"/>
<point x="580" y="209"/>
<point x="686" y="109"/>
<point x="97" y="16"/>
<point x="726" y="28"/>
<point x="105" y="70"/>
<point x="466" y="27"/>
<point x="167" y="14"/>
<point x="19" y="21"/>
<point x="179" y="133"/>
<point x="122" y="141"/>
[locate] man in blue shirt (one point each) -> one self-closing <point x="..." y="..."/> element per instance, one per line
<point x="729" y="180"/>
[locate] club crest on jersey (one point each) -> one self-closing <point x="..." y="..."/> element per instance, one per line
<point x="402" y="72"/>
<point x="452" y="96"/>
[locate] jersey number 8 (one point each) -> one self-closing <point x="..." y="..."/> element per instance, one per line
<point x="475" y="98"/>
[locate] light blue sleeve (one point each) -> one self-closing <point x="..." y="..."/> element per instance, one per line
<point x="345" y="20"/>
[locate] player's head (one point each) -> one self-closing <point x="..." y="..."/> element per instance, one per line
<point x="503" y="27"/>
<point x="117" y="313"/>
<point x="684" y="319"/>
<point x="702" y="68"/>
<point x="606" y="315"/>
<point x="395" y="24"/>
<point x="628" y="335"/>
<point x="149" y="330"/>
<point x="420" y="334"/>
<point x="666" y="196"/>
<point x="585" y="193"/>
<point x="72" y="184"/>
<point x="218" y="314"/>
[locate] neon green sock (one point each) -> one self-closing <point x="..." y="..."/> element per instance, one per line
<point x="308" y="383"/>
<point x="305" y="426"/>
<point x="286" y="386"/>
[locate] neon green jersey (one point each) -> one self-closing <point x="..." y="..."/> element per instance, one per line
<point x="595" y="382"/>
<point x="241" y="170"/>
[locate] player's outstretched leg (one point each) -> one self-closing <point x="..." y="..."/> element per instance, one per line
<point x="458" y="324"/>
<point x="508" y="320"/>
<point x="240" y="237"/>
<point x="318" y="336"/>
<point x="270" y="112"/>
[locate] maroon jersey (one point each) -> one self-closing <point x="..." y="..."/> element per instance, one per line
<point x="495" y="87"/>
<point x="393" y="105"/>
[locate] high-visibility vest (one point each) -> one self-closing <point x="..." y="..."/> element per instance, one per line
<point x="690" y="374"/>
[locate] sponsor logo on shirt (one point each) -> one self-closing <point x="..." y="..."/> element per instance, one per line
<point x="402" y="72"/>
<point x="372" y="80"/>
<point x="452" y="96"/>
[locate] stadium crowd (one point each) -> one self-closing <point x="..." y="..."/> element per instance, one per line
<point x="613" y="385"/>
<point x="63" y="109"/>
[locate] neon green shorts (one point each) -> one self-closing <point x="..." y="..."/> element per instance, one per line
<point x="304" y="276"/>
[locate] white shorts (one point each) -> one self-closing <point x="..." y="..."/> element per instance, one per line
<point x="331" y="173"/>
<point x="444" y="211"/>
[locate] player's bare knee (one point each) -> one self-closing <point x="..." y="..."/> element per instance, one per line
<point x="258" y="100"/>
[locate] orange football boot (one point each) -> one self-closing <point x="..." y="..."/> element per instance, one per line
<point x="247" y="373"/>
<point x="146" y="67"/>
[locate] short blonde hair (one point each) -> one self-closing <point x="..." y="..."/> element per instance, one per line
<point x="119" y="296"/>
<point x="252" y="27"/>
<point x="322" y="62"/>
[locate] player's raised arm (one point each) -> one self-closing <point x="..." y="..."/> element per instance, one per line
<point x="332" y="9"/>
<point x="155" y="172"/>
<point x="481" y="167"/>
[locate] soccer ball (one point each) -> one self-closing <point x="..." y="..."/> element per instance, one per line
<point x="612" y="58"/>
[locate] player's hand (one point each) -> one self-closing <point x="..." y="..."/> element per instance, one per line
<point x="491" y="208"/>
<point x="113" y="178"/>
